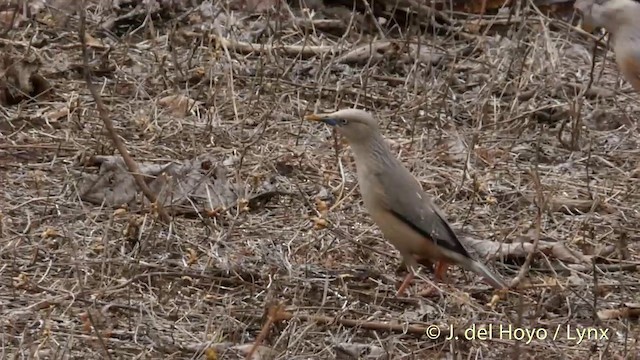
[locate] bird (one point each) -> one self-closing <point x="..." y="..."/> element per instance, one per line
<point x="620" y="19"/>
<point x="395" y="200"/>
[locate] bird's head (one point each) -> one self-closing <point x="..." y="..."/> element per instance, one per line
<point x="355" y="125"/>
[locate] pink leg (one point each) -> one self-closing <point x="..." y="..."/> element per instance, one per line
<point x="405" y="283"/>
<point x="441" y="271"/>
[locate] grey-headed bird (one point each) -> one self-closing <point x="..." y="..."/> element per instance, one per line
<point x="395" y="200"/>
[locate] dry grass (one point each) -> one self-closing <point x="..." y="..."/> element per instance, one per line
<point x="80" y="282"/>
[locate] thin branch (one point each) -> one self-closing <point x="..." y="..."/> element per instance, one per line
<point x="104" y="115"/>
<point x="540" y="205"/>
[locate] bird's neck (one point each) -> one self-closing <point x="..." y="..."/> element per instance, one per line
<point x="374" y="151"/>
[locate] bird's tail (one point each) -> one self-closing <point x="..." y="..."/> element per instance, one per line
<point x="489" y="277"/>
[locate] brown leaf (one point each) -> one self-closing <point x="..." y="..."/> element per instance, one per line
<point x="178" y="104"/>
<point x="319" y="223"/>
<point x="192" y="256"/>
<point x="490" y="156"/>
<point x="56" y="114"/>
<point x="627" y="311"/>
<point x="93" y="42"/>
<point x="211" y="354"/>
<point x="322" y="207"/>
<point x="50" y="233"/>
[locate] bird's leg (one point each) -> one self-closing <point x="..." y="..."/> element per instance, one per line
<point x="412" y="266"/>
<point x="406" y="282"/>
<point x="441" y="270"/>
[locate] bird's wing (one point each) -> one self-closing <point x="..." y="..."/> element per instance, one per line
<point x="412" y="206"/>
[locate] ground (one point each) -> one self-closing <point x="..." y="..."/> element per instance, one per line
<point x="502" y="120"/>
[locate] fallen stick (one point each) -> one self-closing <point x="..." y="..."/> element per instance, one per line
<point x="368" y="325"/>
<point x="246" y="48"/>
<point x="305" y="51"/>
<point x="541" y="203"/>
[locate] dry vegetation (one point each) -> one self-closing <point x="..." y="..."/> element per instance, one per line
<point x="479" y="107"/>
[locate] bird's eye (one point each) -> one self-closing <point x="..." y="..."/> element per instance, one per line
<point x="342" y="122"/>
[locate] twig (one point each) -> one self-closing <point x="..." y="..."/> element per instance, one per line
<point x="373" y="18"/>
<point x="76" y="269"/>
<point x="274" y="315"/>
<point x="104" y="115"/>
<point x="245" y="48"/>
<point x="540" y="203"/>
<point x="372" y="325"/>
<point x="225" y="47"/>
<point x="595" y="291"/>
<point x="585" y="90"/>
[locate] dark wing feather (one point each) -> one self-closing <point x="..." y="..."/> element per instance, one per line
<point x="428" y="220"/>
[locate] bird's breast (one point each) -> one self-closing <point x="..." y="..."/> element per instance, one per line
<point x="403" y="237"/>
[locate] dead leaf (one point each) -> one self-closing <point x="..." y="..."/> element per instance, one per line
<point x="490" y="156"/>
<point x="322" y="207"/>
<point x="21" y="281"/>
<point x="50" y="233"/>
<point x="120" y="212"/>
<point x="627" y="311"/>
<point x="192" y="256"/>
<point x="494" y="301"/>
<point x="56" y="114"/>
<point x="211" y="354"/>
<point x="243" y="205"/>
<point x="179" y="105"/>
<point x="93" y="42"/>
<point x="177" y="185"/>
<point x="132" y="231"/>
<point x="319" y="223"/>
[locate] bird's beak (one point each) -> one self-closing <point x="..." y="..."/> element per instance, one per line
<point x="325" y="118"/>
<point x="313" y="117"/>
